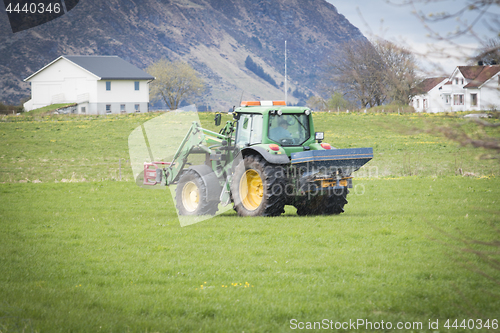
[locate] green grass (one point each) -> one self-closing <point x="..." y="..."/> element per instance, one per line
<point x="65" y="147"/>
<point x="111" y="257"/>
<point x="46" y="110"/>
<point x="103" y="255"/>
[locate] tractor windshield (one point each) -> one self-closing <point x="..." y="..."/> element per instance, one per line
<point x="289" y="129"/>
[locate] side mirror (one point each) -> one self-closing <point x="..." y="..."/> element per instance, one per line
<point x="217" y="119"/>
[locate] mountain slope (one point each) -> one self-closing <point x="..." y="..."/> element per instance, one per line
<point x="214" y="36"/>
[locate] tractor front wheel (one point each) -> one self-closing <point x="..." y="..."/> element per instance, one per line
<point x="258" y="188"/>
<point x="191" y="196"/>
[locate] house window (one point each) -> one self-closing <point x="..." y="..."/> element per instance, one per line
<point x="447" y="99"/>
<point x="122" y="108"/>
<point x="473" y="99"/>
<point x="136" y="85"/>
<point x="137" y="108"/>
<point x="458" y="99"/>
<point x="462" y="81"/>
<point x="108" y="108"/>
<point x="82" y="109"/>
<point x="424" y="104"/>
<point x="456" y="81"/>
<point x="108" y="85"/>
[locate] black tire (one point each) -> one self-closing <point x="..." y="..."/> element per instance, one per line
<point x="309" y="206"/>
<point x="258" y="188"/>
<point x="328" y="204"/>
<point x="334" y="202"/>
<point x="191" y="196"/>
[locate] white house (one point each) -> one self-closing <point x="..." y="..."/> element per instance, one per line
<point x="97" y="84"/>
<point x="469" y="88"/>
<point x="430" y="99"/>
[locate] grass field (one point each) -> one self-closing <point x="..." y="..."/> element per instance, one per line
<point x="100" y="255"/>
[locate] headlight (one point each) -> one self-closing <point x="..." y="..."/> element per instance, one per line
<point x="319" y="136"/>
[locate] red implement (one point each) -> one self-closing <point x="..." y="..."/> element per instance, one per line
<point x="150" y="172"/>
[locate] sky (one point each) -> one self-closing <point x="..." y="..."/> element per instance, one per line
<point x="379" y="18"/>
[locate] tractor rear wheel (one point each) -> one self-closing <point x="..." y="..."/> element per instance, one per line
<point x="334" y="203"/>
<point x="191" y="196"/>
<point x="309" y="207"/>
<point x="258" y="188"/>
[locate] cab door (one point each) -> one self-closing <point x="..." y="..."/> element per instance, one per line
<point x="249" y="129"/>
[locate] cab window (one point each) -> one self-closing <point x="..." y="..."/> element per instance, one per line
<point x="289" y="129"/>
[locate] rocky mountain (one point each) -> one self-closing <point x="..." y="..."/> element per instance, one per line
<point x="214" y="36"/>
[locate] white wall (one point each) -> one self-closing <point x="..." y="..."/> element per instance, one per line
<point x="64" y="82"/>
<point x="122" y="91"/>
<point x="490" y="94"/>
<point x="434" y="100"/>
<point x="457" y="89"/>
<point x="61" y="82"/>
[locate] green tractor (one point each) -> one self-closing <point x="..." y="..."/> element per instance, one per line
<point x="269" y="156"/>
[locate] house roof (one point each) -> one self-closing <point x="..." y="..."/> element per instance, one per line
<point x="486" y="73"/>
<point x="104" y="67"/>
<point x="429" y="83"/>
<point x="470" y="72"/>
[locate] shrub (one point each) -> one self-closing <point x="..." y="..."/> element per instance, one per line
<point x="392" y="108"/>
<point x="10" y="109"/>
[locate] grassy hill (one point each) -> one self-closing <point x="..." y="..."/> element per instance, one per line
<point x="98" y="254"/>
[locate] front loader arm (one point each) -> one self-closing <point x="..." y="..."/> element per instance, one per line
<point x="197" y="140"/>
<point x="194" y="138"/>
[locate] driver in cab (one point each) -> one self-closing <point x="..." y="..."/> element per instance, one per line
<point x="281" y="132"/>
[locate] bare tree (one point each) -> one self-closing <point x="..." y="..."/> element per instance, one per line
<point x="316" y="103"/>
<point x="175" y="81"/>
<point x="373" y="74"/>
<point x="489" y="54"/>
<point x="466" y="17"/>
<point x="357" y="73"/>
<point x="400" y="71"/>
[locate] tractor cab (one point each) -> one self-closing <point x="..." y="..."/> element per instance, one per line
<point x="273" y="124"/>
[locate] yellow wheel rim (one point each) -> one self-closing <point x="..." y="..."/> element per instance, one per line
<point x="190" y="196"/>
<point x="251" y="190"/>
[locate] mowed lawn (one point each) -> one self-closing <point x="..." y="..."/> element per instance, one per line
<point x="109" y="256"/>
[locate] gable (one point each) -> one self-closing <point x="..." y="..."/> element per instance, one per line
<point x="58" y="70"/>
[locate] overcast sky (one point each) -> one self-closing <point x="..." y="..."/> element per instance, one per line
<point x="400" y="25"/>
